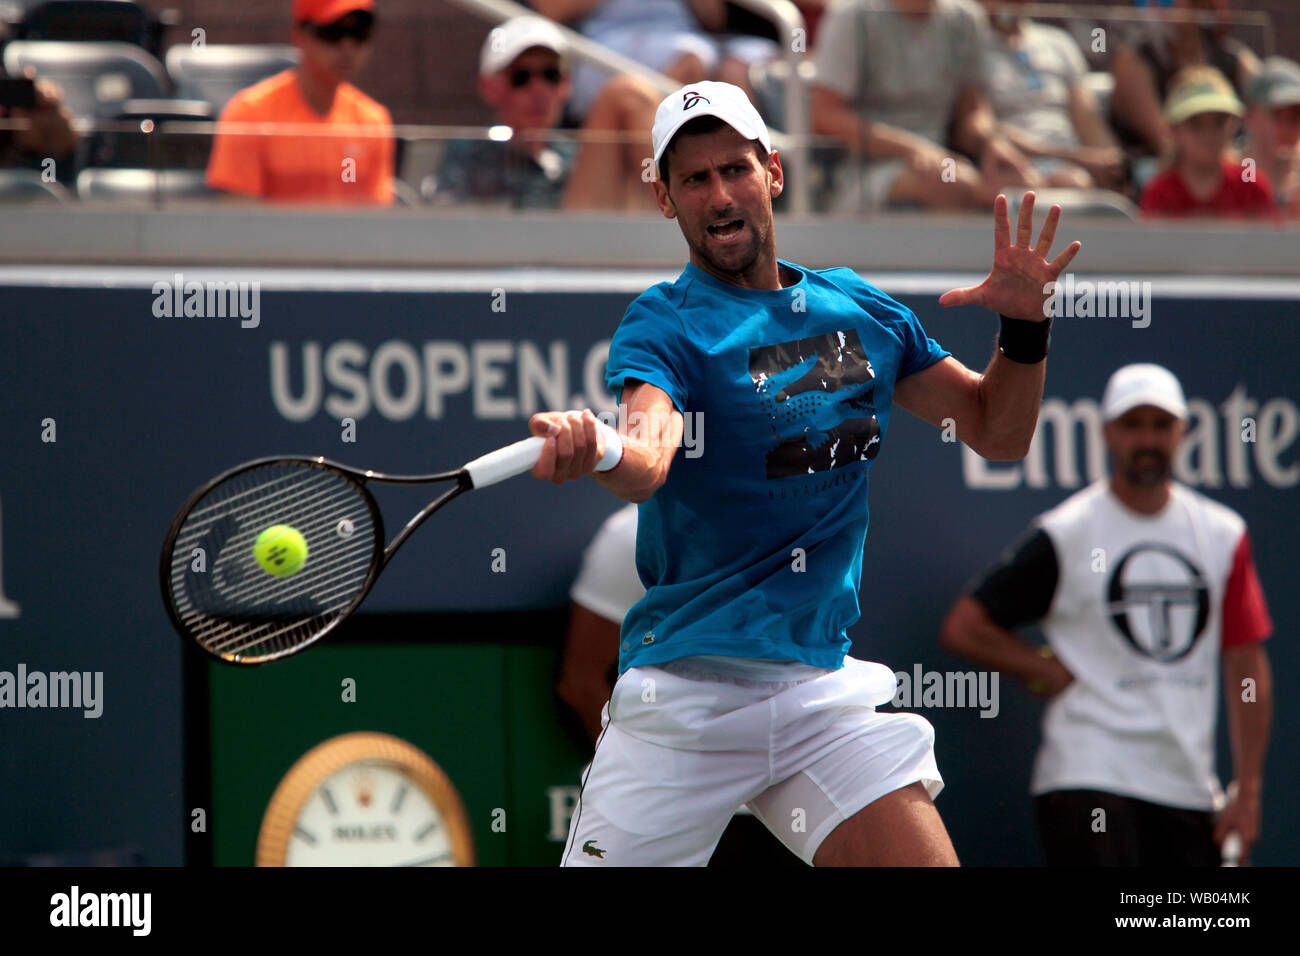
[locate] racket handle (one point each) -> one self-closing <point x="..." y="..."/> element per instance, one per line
<point x="1231" y="849"/>
<point x="522" y="455"/>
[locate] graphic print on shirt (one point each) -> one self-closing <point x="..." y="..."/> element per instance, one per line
<point x="1159" y="601"/>
<point x="819" y="394"/>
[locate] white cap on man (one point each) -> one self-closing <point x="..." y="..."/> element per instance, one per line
<point x="515" y="36"/>
<point x="707" y="98"/>
<point x="1142" y="384"/>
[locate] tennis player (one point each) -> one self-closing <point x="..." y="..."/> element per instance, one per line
<point x="734" y="685"/>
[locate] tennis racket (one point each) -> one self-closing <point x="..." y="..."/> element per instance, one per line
<point x="219" y="594"/>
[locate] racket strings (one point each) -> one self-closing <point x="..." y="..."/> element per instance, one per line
<point x="262" y="586"/>
<point x="235" y="607"/>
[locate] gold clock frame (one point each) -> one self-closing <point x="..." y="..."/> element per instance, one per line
<point x="327" y="758"/>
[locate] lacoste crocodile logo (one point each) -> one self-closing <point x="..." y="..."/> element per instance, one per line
<point x="591" y="849"/>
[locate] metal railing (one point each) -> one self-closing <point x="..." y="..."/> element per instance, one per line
<point x="783" y="14"/>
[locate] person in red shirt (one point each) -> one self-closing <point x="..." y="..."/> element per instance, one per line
<point x="329" y="142"/>
<point x="1204" y="177"/>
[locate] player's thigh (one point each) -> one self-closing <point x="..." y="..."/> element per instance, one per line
<point x="861" y="757"/>
<point x="642" y="804"/>
<point x="902" y="828"/>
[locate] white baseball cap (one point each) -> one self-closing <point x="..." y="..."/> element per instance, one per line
<point x="1142" y="384"/>
<point x="515" y="36"/>
<point x="707" y="98"/>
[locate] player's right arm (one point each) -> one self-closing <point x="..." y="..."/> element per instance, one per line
<point x="1017" y="590"/>
<point x="651" y="429"/>
<point x="969" y="632"/>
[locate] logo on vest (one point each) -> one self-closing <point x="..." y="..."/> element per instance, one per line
<point x="1159" y="601"/>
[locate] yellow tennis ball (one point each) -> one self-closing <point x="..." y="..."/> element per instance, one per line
<point x="280" y="550"/>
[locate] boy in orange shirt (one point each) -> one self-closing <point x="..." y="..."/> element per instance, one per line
<point x="330" y="143"/>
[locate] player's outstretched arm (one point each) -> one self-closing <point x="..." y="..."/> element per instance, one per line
<point x="651" y="430"/>
<point x="995" y="413"/>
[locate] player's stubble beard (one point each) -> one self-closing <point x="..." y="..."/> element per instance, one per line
<point x="740" y="260"/>
<point x="1147" y="468"/>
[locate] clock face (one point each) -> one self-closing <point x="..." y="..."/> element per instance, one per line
<point x="369" y="814"/>
<point x="365" y="799"/>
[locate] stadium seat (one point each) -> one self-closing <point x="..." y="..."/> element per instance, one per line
<point x="96" y="78"/>
<point x="141" y="185"/>
<point x="122" y="21"/>
<point x="26" y="186"/>
<point x="126" y="145"/>
<point x="404" y="194"/>
<point x="218" y="71"/>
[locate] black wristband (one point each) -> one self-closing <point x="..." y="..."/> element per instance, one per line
<point x="1023" y="341"/>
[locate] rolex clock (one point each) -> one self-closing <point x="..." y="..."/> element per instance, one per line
<point x="365" y="799"/>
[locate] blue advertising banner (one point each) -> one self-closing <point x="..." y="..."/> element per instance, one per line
<point x="120" y="399"/>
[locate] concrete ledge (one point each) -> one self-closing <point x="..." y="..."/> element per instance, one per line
<point x="411" y="238"/>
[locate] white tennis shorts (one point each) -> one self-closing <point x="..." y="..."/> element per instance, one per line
<point x="681" y="752"/>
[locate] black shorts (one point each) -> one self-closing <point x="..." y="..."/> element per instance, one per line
<point x="1136" y="833"/>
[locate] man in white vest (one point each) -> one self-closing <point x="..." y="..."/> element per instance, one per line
<point x="1146" y="591"/>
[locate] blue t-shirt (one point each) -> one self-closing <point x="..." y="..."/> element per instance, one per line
<point x="787" y="394"/>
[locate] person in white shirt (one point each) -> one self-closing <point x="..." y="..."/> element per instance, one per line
<point x="1145" y="591"/>
<point x="1034" y="78"/>
<point x="606" y="587"/>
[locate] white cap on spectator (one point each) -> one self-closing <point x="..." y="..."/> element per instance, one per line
<point x="707" y="98"/>
<point x="1142" y="384"/>
<point x="515" y="36"/>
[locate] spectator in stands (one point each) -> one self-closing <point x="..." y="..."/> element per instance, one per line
<point x="524" y="77"/>
<point x="1273" y="119"/>
<point x="675" y="37"/>
<point x="1203" y="176"/>
<point x="893" y="78"/>
<point x="1034" y="75"/>
<point x="49" y="133"/>
<point x="337" y="145"/>
<point x="1144" y="68"/>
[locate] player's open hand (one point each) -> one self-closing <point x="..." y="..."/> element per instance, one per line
<point x="1015" y="286"/>
<point x="572" y="448"/>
